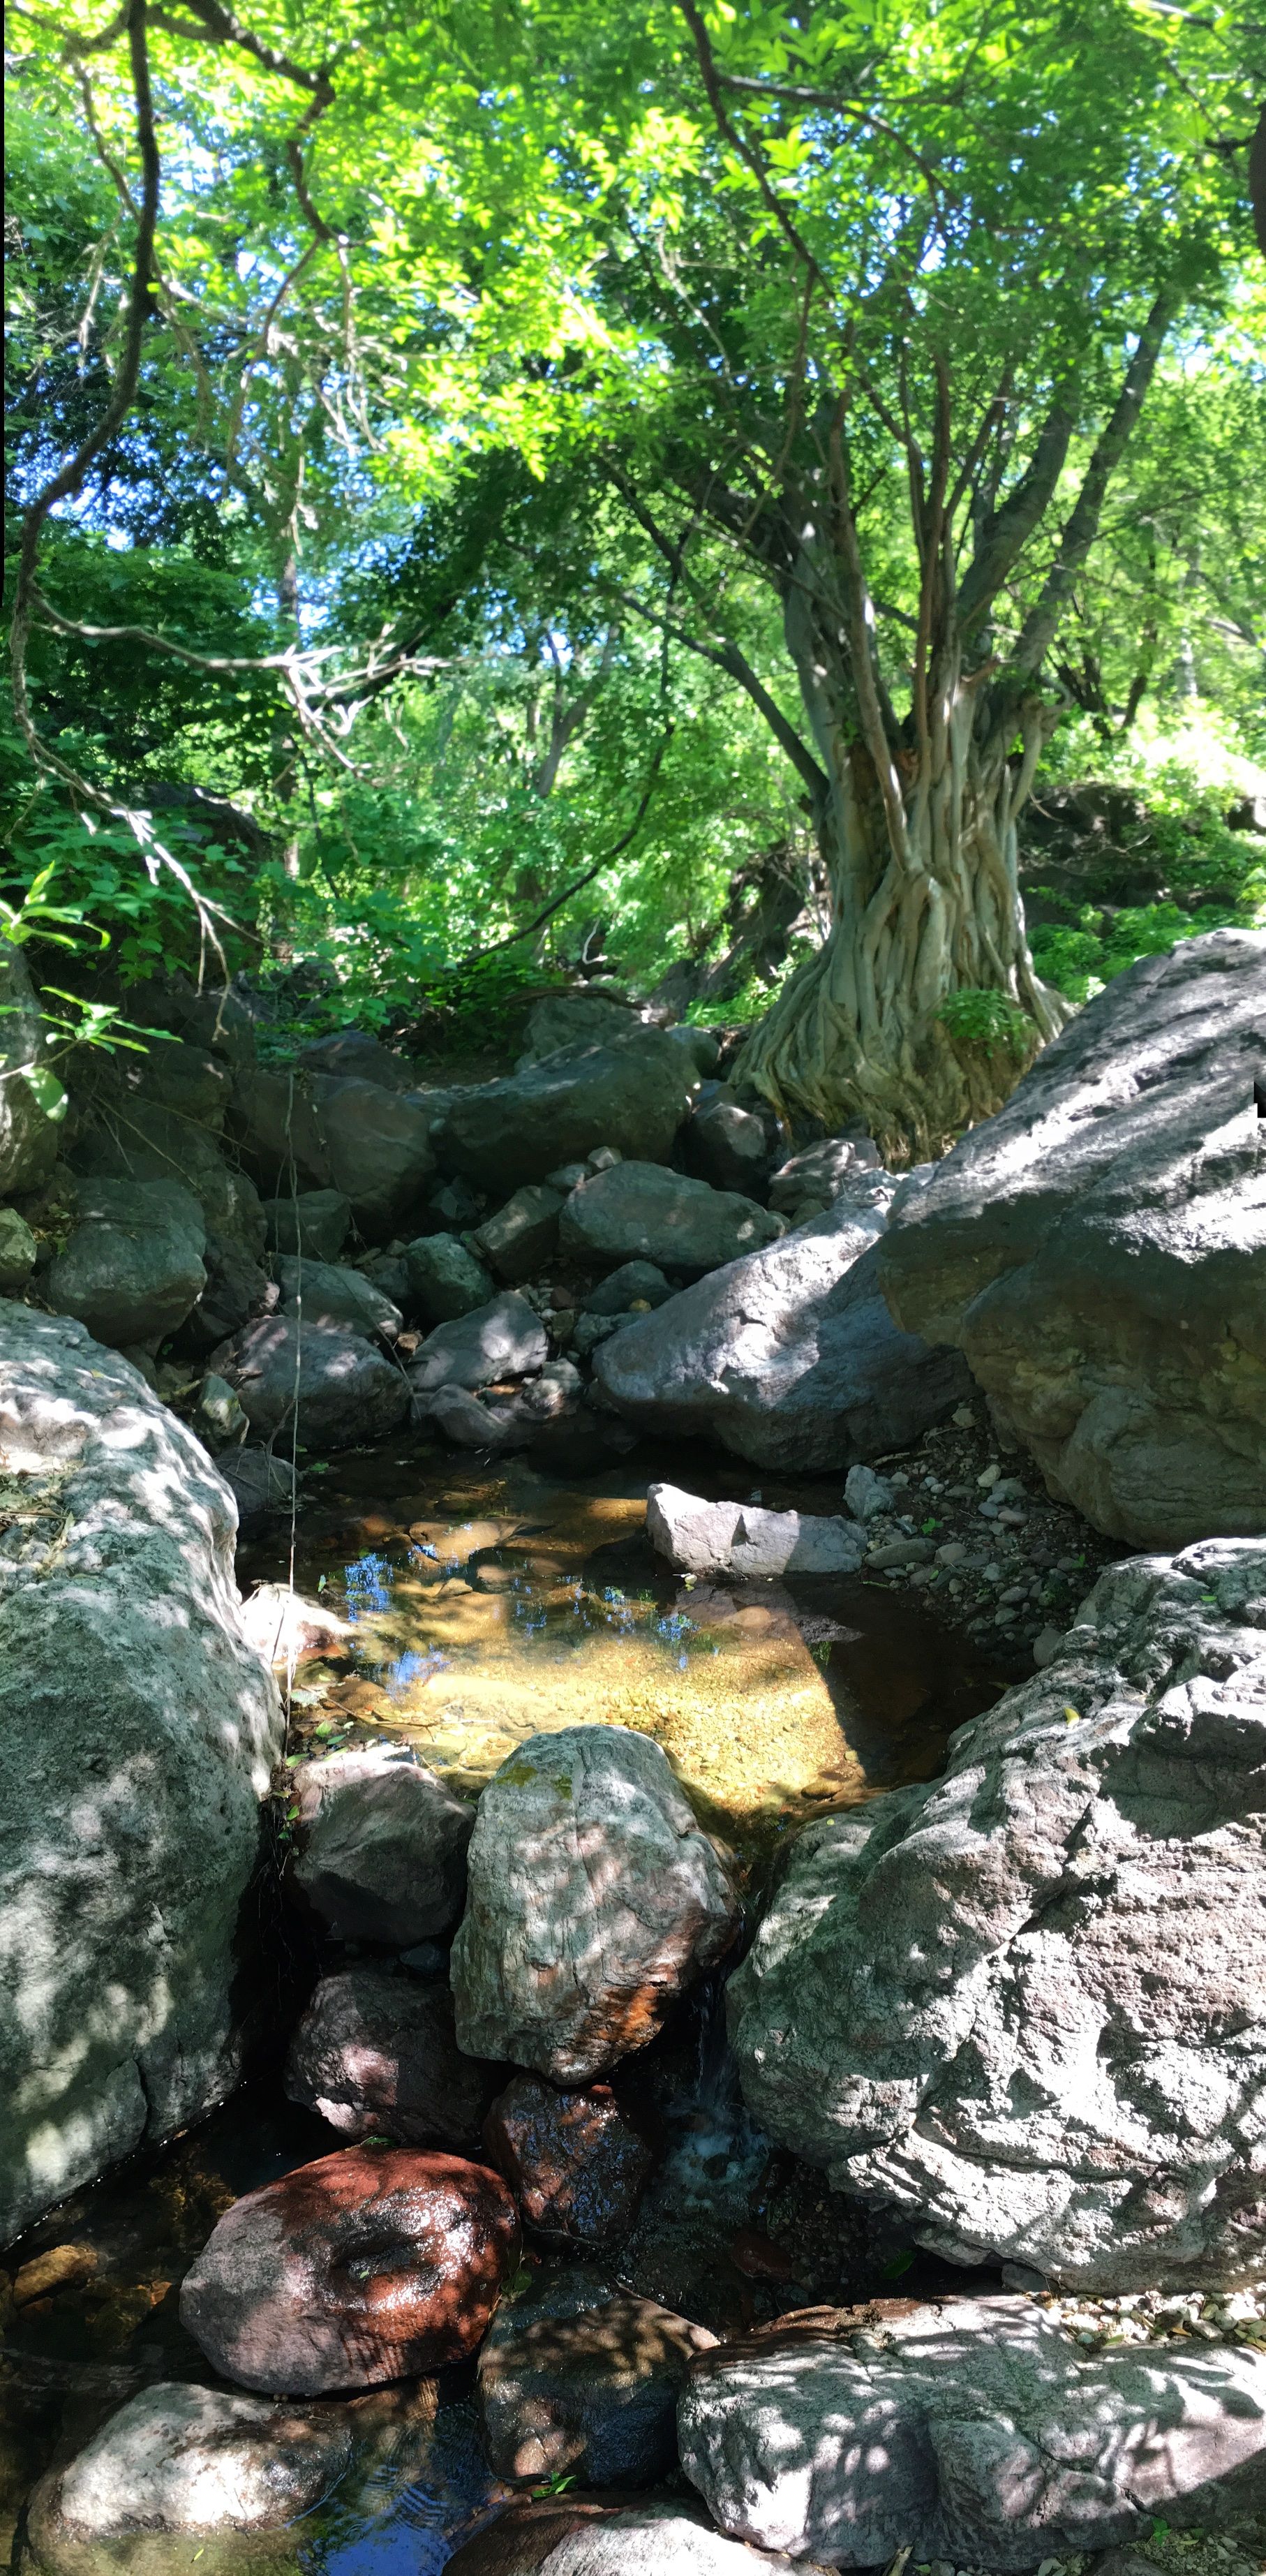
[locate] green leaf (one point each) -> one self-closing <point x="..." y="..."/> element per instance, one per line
<point x="49" y="1094"/>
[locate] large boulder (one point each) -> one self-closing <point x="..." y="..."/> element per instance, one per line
<point x="505" y="1338"/>
<point x="521" y="1236"/>
<point x="30" y="1111"/>
<point x="375" y="2054"/>
<point x="1098" y="1250"/>
<point x="345" y="1388"/>
<point x="580" y="2377"/>
<point x="133" y="1267"/>
<point x="570" y="1023"/>
<point x="313" y="1222"/>
<point x="380" y="1845"/>
<point x="727" y="1145"/>
<point x="179" y="2459"/>
<point x="632" y="1095"/>
<point x="977" y="2433"/>
<point x="594" y="1900"/>
<point x="640" y="1212"/>
<point x="370" y="2265"/>
<point x="700" y="1537"/>
<point x="445" y="1279"/>
<point x="329" y="1292"/>
<point x="356" y="1054"/>
<point x="324" y="1132"/>
<point x="1024" y="2004"/>
<point x="140" y="1732"/>
<point x="237" y="1289"/>
<point x="788" y="1357"/>
<point x="584" y="2536"/>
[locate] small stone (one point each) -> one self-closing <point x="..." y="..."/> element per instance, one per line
<point x="635" y="1283"/>
<point x="867" y="1494"/>
<point x="989" y="1477"/>
<point x="963" y="1417"/>
<point x="519" y="1239"/>
<point x="568" y="1177"/>
<point x="604" y="1158"/>
<point x="218" y="1417"/>
<point x="952" y="1553"/>
<point x="1046" y="1646"/>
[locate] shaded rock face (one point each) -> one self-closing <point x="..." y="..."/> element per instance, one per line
<point x="788" y="1357"/>
<point x="574" y="2161"/>
<point x="569" y="1023"/>
<point x="1024" y="2004"/>
<point x="18" y="1251"/>
<point x="520" y="1237"/>
<point x="632" y="1095"/>
<point x="382" y="1846"/>
<point x="313" y="1222"/>
<point x="133" y="1267"/>
<point x="375" y="2054"/>
<point x="261" y="1485"/>
<point x="179" y="2458"/>
<point x="640" y="1212"/>
<point x="738" y="1538"/>
<point x="1098" y="1250"/>
<point x="820" y="1173"/>
<point x="594" y="1901"/>
<point x="236" y="1290"/>
<point x="139" y="1734"/>
<point x="29" y="1138"/>
<point x="334" y="1294"/>
<point x="580" y="2536"/>
<point x="353" y="1053"/>
<point x="638" y="1283"/>
<point x="371" y="1144"/>
<point x="726" y="1145"/>
<point x="347" y="1390"/>
<point x="505" y="1338"/>
<point x="445" y="1280"/>
<point x="579" y="2376"/>
<point x="976" y="2432"/>
<point x="370" y="2265"/>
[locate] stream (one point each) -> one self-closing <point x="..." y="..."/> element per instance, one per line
<point x="484" y="1605"/>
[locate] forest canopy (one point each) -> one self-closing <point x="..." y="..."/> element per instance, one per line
<point x="506" y="492"/>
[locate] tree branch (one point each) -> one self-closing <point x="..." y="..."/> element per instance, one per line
<point x="737" y="142"/>
<point x="1007" y="531"/>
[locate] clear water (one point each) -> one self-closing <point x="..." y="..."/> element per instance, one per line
<point x="482" y="1606"/>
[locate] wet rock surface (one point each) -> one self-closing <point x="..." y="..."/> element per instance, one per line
<point x="578" y="2376"/>
<point x="973" y="2432"/>
<point x="375" y="2054"/>
<point x="656" y="2536"/>
<point x="371" y="2265"/>
<point x="594" y="1900"/>
<point x="140" y="1731"/>
<point x="574" y="2161"/>
<point x="1074" y="2088"/>
<point x="380" y="1845"/>
<point x="1098" y="1250"/>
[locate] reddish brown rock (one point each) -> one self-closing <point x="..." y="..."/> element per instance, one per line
<point x="375" y="2053"/>
<point x="575" y="2163"/>
<point x="367" y="2266"/>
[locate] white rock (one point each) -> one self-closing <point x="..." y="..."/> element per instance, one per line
<point x="184" y="2458"/>
<point x="738" y="1538"/>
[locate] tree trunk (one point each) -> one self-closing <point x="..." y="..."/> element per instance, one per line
<point x="919" y="847"/>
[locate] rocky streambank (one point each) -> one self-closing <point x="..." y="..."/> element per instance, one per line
<point x="996" y="2036"/>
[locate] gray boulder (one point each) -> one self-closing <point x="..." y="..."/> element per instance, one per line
<point x="594" y="1901"/>
<point x="313" y="1222"/>
<point x="578" y="2536"/>
<point x="446" y="1280"/>
<point x="727" y="1145"/>
<point x="475" y="1423"/>
<point x="520" y="1237"/>
<point x="375" y="2055"/>
<point x="1018" y="2004"/>
<point x="237" y="1289"/>
<point x="139" y="1735"/>
<point x="640" y="1212"/>
<point x="327" y="1133"/>
<point x="180" y="2459"/>
<point x="738" y="1538"/>
<point x="29" y="1134"/>
<point x="333" y="1294"/>
<point x="18" y="1251"/>
<point x="1098" y="1251"/>
<point x="133" y="1267"/>
<point x="381" y="1846"/>
<point x="580" y="2378"/>
<point x="635" y="1283"/>
<point x="505" y="1338"/>
<point x="346" y="1390"/>
<point x="977" y="2433"/>
<point x="262" y="1486"/>
<point x="632" y="1095"/>
<point x="819" y="1173"/>
<point x="570" y="1023"/>
<point x="788" y="1357"/>
<point x="354" y="1053"/>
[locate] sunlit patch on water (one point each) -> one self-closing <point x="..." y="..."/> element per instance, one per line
<point x="487" y="1605"/>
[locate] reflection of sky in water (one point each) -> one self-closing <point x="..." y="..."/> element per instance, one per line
<point x="393" y="2523"/>
<point x="368" y="1583"/>
<point x="410" y="1668"/>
